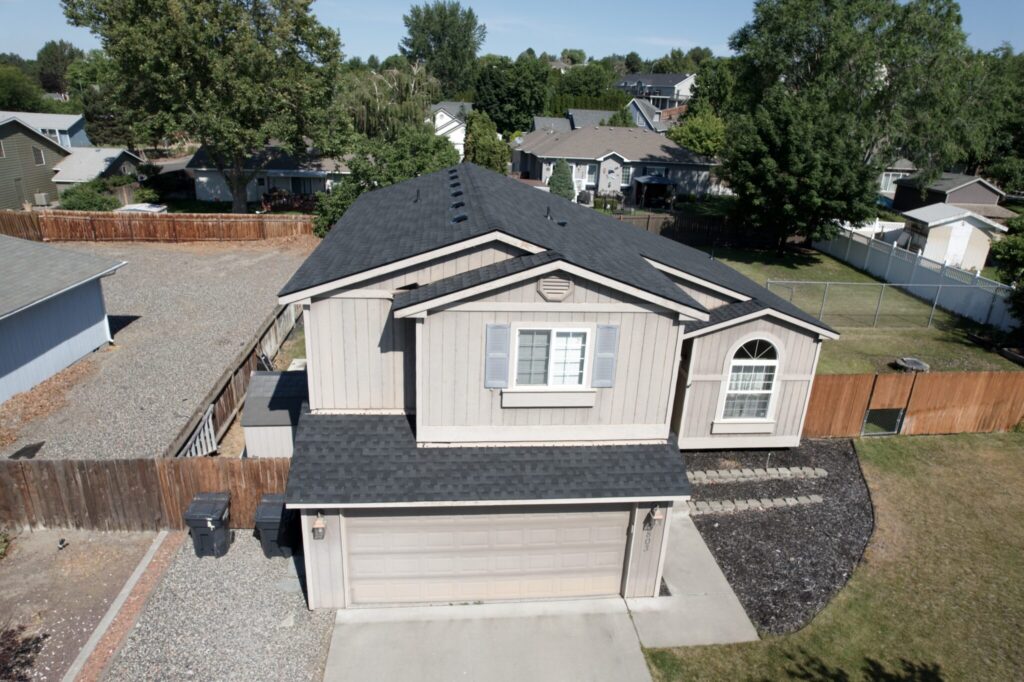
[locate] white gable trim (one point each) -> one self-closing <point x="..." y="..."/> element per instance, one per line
<point x="559" y="265"/>
<point x="697" y="280"/>
<point x="766" y="312"/>
<point x="327" y="287"/>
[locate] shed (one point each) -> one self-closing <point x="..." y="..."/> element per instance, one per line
<point x="51" y="310"/>
<point x="272" y="406"/>
<point x="950" y="235"/>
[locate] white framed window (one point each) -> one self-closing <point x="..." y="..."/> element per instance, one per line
<point x="627" y="175"/>
<point x="551" y="357"/>
<point x="579" y="171"/>
<point x="37" y="155"/>
<point x="751" y="381"/>
<point x="592" y="174"/>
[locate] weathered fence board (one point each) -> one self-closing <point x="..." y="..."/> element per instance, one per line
<point x="130" y="494"/>
<point x="56" y="225"/>
<point x="891" y="391"/>
<point x="838" y="403"/>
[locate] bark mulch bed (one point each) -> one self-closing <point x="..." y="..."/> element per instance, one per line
<point x="786" y="564"/>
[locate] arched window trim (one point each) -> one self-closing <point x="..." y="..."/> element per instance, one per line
<point x="732" y="361"/>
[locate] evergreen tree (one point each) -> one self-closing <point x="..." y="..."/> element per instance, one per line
<point x="482" y="144"/>
<point x="447" y="37"/>
<point x="560" y="182"/>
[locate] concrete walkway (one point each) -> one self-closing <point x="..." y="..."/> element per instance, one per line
<point x="589" y="639"/>
<point x="703" y="609"/>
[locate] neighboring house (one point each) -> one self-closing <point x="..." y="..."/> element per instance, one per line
<point x="897" y="170"/>
<point x="51" y="311"/>
<point x="449" y="119"/>
<point x="646" y="115"/>
<point x="67" y="130"/>
<point x="587" y="118"/>
<point x="951" y="235"/>
<point x="663" y="90"/>
<point x="609" y="160"/>
<point x="27" y="162"/>
<point x="965" y="191"/>
<point x="88" y="163"/>
<point x="496" y="379"/>
<point x="298" y="174"/>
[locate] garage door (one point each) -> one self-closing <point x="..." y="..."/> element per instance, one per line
<point x="485" y="555"/>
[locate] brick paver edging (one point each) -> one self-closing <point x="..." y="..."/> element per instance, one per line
<point x="742" y="475"/>
<point x="764" y="504"/>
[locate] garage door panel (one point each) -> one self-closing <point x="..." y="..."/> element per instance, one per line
<point x="485" y="556"/>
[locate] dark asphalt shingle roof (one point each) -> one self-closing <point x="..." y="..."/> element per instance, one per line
<point x="728" y="312"/>
<point x="373" y="459"/>
<point x="415" y="216"/>
<point x="275" y="398"/>
<point x="32" y="271"/>
<point x="588" y="118"/>
<point x="947" y="182"/>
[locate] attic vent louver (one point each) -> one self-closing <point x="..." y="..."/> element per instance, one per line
<point x="461" y="218"/>
<point x="554" y="288"/>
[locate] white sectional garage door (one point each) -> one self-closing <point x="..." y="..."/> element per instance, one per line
<point x="485" y="555"/>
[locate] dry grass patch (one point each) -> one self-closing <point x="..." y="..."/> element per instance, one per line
<point x="940" y="594"/>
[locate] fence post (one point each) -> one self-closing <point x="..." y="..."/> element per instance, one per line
<point x="913" y="270"/>
<point x="849" y="240"/>
<point x="888" y="263"/>
<point x="824" y="297"/>
<point x="935" y="304"/>
<point x="878" y="306"/>
<point x="867" y="255"/>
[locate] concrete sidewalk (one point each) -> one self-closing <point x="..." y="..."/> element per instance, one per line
<point x="590" y="639"/>
<point x="703" y="608"/>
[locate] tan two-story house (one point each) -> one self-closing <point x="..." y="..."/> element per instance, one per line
<point x="500" y="385"/>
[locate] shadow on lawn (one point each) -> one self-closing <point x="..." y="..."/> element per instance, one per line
<point x="792" y="259"/>
<point x="18" y="652"/>
<point x="813" y="669"/>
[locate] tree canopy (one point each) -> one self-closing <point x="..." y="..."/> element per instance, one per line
<point x="17" y="91"/>
<point x="446" y="37"/>
<point x="53" y="61"/>
<point x="702" y="132"/>
<point x="482" y="144"/>
<point x="380" y="102"/>
<point x="512" y="92"/>
<point x="233" y="75"/>
<point x="561" y="183"/>
<point x="677" y="61"/>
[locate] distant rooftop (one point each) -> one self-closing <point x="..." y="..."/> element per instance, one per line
<point x="39" y="120"/>
<point x="86" y="163"/>
<point x="633" y="144"/>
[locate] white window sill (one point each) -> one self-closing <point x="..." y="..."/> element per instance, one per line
<point x="743" y="426"/>
<point x="546" y="397"/>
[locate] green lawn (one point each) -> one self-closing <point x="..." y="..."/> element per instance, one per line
<point x="850" y="309"/>
<point x="940" y="593"/>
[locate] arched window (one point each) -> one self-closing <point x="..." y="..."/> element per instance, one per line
<point x="751" y="378"/>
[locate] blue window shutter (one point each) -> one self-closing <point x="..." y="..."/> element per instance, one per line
<point x="604" y="356"/>
<point x="496" y="360"/>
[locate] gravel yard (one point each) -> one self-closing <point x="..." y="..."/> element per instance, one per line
<point x="239" y="617"/>
<point x="180" y="313"/>
<point x="786" y="564"/>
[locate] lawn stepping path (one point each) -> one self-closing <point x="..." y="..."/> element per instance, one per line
<point x="702" y="507"/>
<point x="744" y="475"/>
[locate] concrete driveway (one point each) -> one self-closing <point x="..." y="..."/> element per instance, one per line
<point x="590" y="640"/>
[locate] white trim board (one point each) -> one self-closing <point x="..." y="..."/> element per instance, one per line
<point x="450" y="436"/>
<point x="757" y="314"/>
<point x="718" y="288"/>
<point x="486" y="503"/>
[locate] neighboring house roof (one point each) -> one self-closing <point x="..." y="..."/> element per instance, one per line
<point x="948" y="182"/>
<point x="31" y="272"/>
<point x="275" y="398"/>
<point x="650" y="113"/>
<point x="415" y="217"/>
<point x="274" y="159"/>
<point x="988" y="210"/>
<point x="588" y="118"/>
<point x="40" y="121"/>
<point x="459" y="110"/>
<point x="378" y="463"/>
<point x="552" y="123"/>
<point x="29" y="130"/>
<point x="901" y="164"/>
<point x="86" y="163"/>
<point x="632" y="144"/>
<point x="660" y="80"/>
<point x="940" y="214"/>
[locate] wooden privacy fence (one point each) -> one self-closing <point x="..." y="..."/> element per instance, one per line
<point x="153" y="227"/>
<point x="130" y="494"/>
<point x="933" y="403"/>
<point x="706" y="231"/>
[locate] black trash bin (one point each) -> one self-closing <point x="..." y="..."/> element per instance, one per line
<point x="207" y="521"/>
<point x="275" y="526"/>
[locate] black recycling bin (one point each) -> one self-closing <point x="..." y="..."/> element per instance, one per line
<point x="275" y="526"/>
<point x="207" y="521"/>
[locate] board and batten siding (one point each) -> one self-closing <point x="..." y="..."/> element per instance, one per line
<point x="456" y="407"/>
<point x="40" y="341"/>
<point x="359" y="357"/>
<point x="708" y="375"/>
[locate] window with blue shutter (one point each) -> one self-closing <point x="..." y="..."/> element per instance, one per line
<point x="605" y="348"/>
<point x="496" y="357"/>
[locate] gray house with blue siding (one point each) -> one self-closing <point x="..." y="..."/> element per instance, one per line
<point x="51" y="311"/>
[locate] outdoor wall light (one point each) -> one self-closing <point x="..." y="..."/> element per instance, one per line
<point x="319" y="527"/>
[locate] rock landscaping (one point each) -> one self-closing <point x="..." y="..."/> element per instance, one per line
<point x="785" y="559"/>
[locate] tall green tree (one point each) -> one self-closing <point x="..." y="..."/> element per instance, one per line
<point x="512" y="93"/>
<point x="232" y="75"/>
<point x="483" y="147"/>
<point x="677" y="61"/>
<point x="379" y="103"/>
<point x="712" y="88"/>
<point x="26" y="66"/>
<point x="1009" y="255"/>
<point x="93" y="88"/>
<point x="414" y="150"/>
<point x="17" y="91"/>
<point x="560" y="183"/>
<point x="829" y="92"/>
<point x="702" y="132"/>
<point x="634" y="63"/>
<point x="447" y="37"/>
<point x="53" y="61"/>
<point x="573" y="56"/>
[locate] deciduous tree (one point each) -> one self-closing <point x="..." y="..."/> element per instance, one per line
<point x="53" y="61"/>
<point x="702" y="132"/>
<point x="511" y="93"/>
<point x="447" y="37"/>
<point x="482" y="144"/>
<point x="17" y="91"/>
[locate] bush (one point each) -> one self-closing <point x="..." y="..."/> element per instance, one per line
<point x="119" y="180"/>
<point x="583" y="198"/>
<point x="146" y="195"/>
<point x="88" y="196"/>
